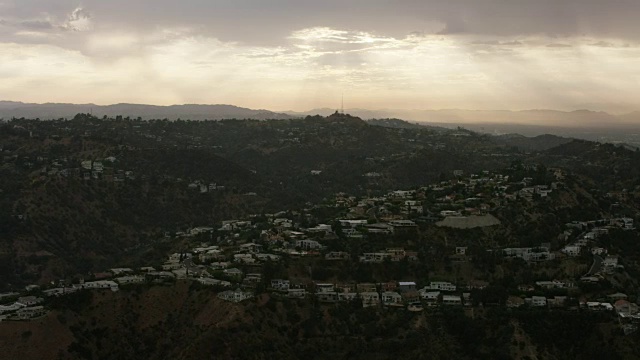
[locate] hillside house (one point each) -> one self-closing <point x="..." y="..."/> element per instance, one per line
<point x="366" y="287"/>
<point x="346" y="287"/>
<point x="396" y="254"/>
<point x="244" y="258"/>
<point x="308" y="245"/>
<point x="102" y="284"/>
<point x="352" y="223"/>
<point x="391" y="298"/>
<point x="572" y="250"/>
<point x="233" y="272"/>
<point x="29" y="301"/>
<point x="296" y="293"/>
<point x="402" y="224"/>
<point x="515" y="302"/>
<point x="235" y="296"/>
<point x="536" y="301"/>
<point x="375" y="257"/>
<point x="337" y="255"/>
<point x="405" y="286"/>
<point x="213" y="282"/>
<point x="30" y="312"/>
<point x="431" y="297"/>
<point x="477" y="284"/>
<point x="329" y="297"/>
<point x="529" y="254"/>
<point x="347" y="296"/>
<point x="410" y="297"/>
<point x="134" y="279"/>
<point x="159" y="276"/>
<point x="370" y="299"/>
<point x="441" y="286"/>
<point x="598" y="306"/>
<point x="325" y="288"/>
<point x="557" y="301"/>
<point x="250" y="248"/>
<point x="321" y="228"/>
<point x="267" y="257"/>
<point x="280" y="284"/>
<point x="380" y="228"/>
<point x="10" y="308"/>
<point x="451" y="300"/>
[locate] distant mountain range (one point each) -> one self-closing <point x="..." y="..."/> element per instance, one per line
<point x="547" y="118"/>
<point x="48" y="111"/>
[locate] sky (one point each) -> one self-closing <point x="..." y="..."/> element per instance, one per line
<point x="303" y="54"/>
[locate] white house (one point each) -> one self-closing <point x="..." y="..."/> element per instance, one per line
<point x="30" y="312"/>
<point x="102" y="284"/>
<point x="29" y="301"/>
<point x="280" y="284"/>
<point x="370" y="298"/>
<point x="235" y="295"/>
<point x="441" y="285"/>
<point x="244" y="258"/>
<point x="374" y="257"/>
<point x="402" y="223"/>
<point x="537" y="301"/>
<point x="325" y="288"/>
<point x="134" y="279"/>
<point x="10" y="308"/>
<point x="212" y="282"/>
<point x="308" y="244"/>
<point x="352" y="223"/>
<point x="391" y="298"/>
<point x="347" y="296"/>
<point x="296" y="293"/>
<point x="451" y="300"/>
<point x="430" y="296"/>
<point x="572" y="250"/>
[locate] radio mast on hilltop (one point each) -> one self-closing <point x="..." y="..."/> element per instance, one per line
<point x="342" y="104"/>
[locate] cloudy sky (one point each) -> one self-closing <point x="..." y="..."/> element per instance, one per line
<point x="303" y="54"/>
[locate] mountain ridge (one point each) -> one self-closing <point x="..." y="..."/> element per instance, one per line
<point x="533" y="117"/>
<point x="48" y="111"/>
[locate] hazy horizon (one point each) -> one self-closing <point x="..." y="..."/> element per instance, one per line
<point x="299" y="55"/>
<point x="320" y="107"/>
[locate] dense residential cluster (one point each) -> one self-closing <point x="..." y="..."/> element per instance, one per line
<point x="237" y="259"/>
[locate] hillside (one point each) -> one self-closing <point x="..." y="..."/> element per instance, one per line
<point x="241" y="204"/>
<point x="185" y="321"/>
<point x="165" y="177"/>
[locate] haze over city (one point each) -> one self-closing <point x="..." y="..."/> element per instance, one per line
<point x="298" y="54"/>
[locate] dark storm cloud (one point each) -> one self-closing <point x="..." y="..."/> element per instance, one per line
<point x="267" y="22"/>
